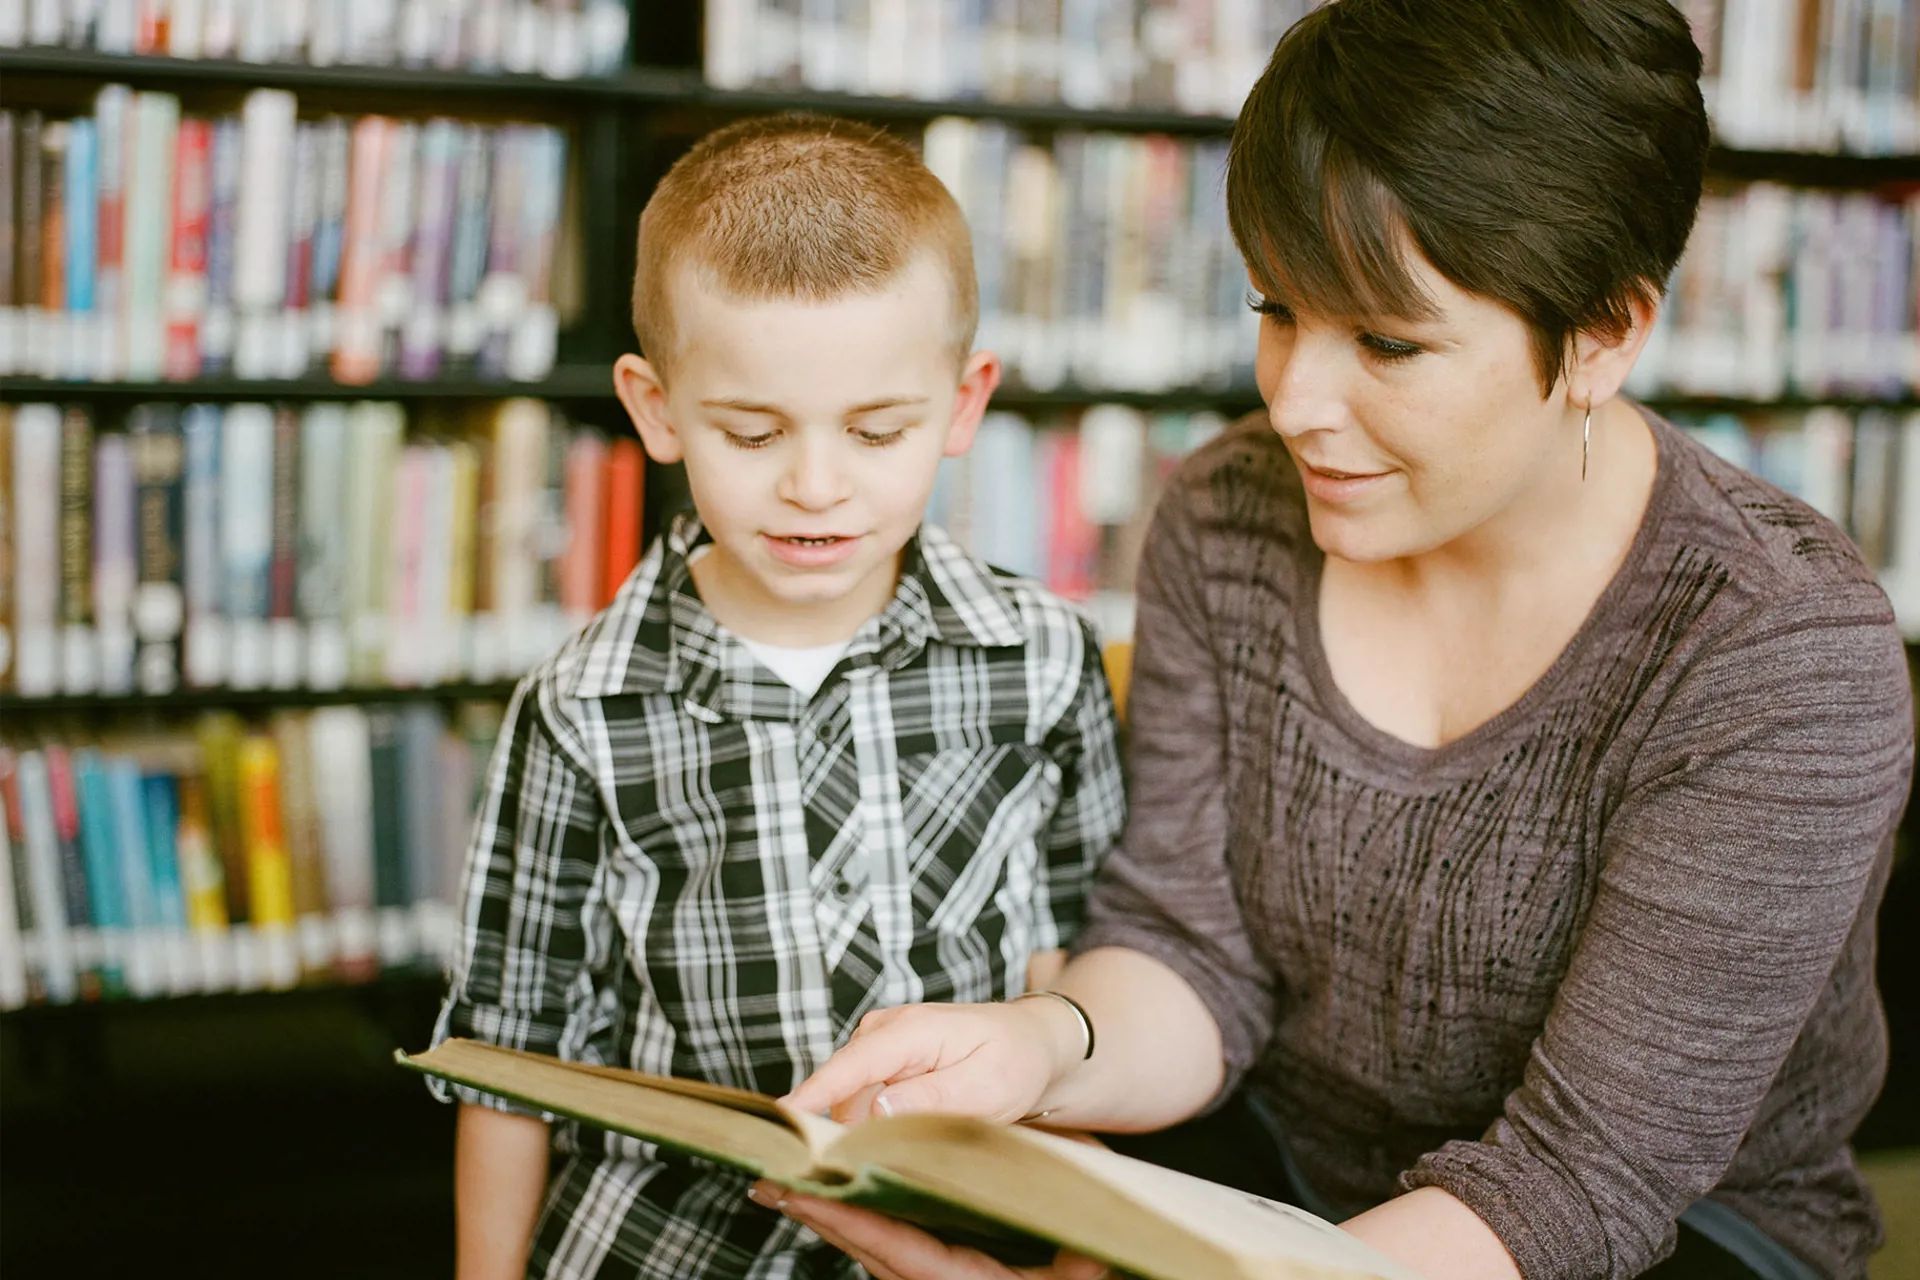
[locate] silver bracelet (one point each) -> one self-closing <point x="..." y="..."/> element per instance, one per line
<point x="1086" y="1023"/>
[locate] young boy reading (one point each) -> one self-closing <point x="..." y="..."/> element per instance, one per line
<point x="813" y="760"/>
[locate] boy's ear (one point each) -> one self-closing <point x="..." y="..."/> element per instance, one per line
<point x="979" y="378"/>
<point x="644" y="394"/>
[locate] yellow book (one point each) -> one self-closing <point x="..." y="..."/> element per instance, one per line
<point x="1016" y="1191"/>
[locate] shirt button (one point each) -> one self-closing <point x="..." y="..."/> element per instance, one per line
<point x="844" y="888"/>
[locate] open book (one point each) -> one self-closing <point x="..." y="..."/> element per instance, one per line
<point x="1005" y="1188"/>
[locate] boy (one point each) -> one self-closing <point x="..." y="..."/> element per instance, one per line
<point x="813" y="760"/>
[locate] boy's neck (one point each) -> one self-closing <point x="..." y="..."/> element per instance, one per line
<point x="741" y="604"/>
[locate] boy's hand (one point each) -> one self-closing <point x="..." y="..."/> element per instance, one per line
<point x="995" y="1061"/>
<point x="891" y="1250"/>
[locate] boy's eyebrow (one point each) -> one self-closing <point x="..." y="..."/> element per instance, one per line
<point x="739" y="405"/>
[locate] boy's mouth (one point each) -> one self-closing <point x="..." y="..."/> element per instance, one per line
<point x="811" y="551"/>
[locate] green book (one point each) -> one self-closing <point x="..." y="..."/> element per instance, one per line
<point x="1016" y="1191"/>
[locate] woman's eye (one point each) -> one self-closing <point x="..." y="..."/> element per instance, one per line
<point x="1390" y="349"/>
<point x="1268" y="307"/>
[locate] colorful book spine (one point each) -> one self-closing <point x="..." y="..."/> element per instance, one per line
<point x="11" y="359"/>
<point x="217" y="326"/>
<point x="19" y="938"/>
<point x="202" y="573"/>
<point x="203" y="884"/>
<point x="160" y="805"/>
<point x="185" y="301"/>
<point x="269" y="865"/>
<point x="116" y="570"/>
<point x="31" y="794"/>
<point x="79" y="664"/>
<point x="159" y="606"/>
<point x="323" y="538"/>
<point x="112" y="115"/>
<point x="626" y="507"/>
<point x="145" y="934"/>
<point x="92" y="827"/>
<point x="284" y="638"/>
<point x="80" y="252"/>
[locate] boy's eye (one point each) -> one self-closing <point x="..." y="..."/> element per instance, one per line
<point x="880" y="439"/>
<point x="1389" y="349"/>
<point x="739" y="441"/>
<point x="1269" y="308"/>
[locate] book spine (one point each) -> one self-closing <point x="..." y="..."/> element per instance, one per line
<point x="7" y="557"/>
<point x="393" y="894"/>
<point x="269" y="865"/>
<point x="113" y="115"/>
<point x="217" y="326"/>
<point x="202" y="572"/>
<point x="503" y="290"/>
<point x="405" y="550"/>
<point x="260" y="242"/>
<point x="92" y="827"/>
<point x="468" y="252"/>
<point x="626" y="509"/>
<point x="150" y="241"/>
<point x="159" y="607"/>
<point x="145" y="956"/>
<point x="423" y="334"/>
<point x="17" y="933"/>
<point x="36" y="516"/>
<point x="10" y="338"/>
<point x="218" y="735"/>
<point x="329" y="234"/>
<point x="186" y="292"/>
<point x="343" y="787"/>
<point x="29" y="287"/>
<point x="393" y="289"/>
<point x="323" y="542"/>
<point x="246" y="539"/>
<point x="203" y="885"/>
<point x="581" y="565"/>
<point x="356" y="354"/>
<point x="422" y="727"/>
<point x="79" y="668"/>
<point x="464" y="481"/>
<point x="535" y="332"/>
<point x="296" y="336"/>
<point x="116" y="572"/>
<point x="81" y="222"/>
<point x="374" y="428"/>
<point x="54" y="925"/>
<point x="284" y="636"/>
<point x="160" y="810"/>
<point x="439" y="651"/>
<point x="306" y="865"/>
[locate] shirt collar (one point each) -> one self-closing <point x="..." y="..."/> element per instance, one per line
<point x="658" y="637"/>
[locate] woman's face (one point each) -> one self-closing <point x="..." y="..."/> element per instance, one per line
<point x="1410" y="434"/>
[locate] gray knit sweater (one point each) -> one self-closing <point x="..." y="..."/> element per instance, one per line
<point x="1608" y="953"/>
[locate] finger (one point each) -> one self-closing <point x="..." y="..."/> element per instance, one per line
<point x="1071" y="1266"/>
<point x="872" y="1059"/>
<point x="890" y="1249"/>
<point x="859" y="1107"/>
<point x="968" y="1087"/>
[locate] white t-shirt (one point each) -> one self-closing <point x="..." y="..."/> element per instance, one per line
<point x="804" y="669"/>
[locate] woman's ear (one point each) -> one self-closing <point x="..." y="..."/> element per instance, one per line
<point x="1598" y="363"/>
<point x="643" y="392"/>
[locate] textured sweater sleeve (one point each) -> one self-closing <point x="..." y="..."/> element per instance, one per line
<point x="1167" y="891"/>
<point x="1750" y="842"/>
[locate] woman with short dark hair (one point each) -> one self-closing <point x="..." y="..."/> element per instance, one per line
<point x="1514" y="782"/>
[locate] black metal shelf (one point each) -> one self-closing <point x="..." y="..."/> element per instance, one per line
<point x="412" y="980"/>
<point x="142" y="70"/>
<point x="1042" y="115"/>
<point x="250" y="699"/>
<point x="566" y="382"/>
<point x="1813" y="168"/>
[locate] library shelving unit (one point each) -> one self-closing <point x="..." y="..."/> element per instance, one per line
<point x="228" y="1127"/>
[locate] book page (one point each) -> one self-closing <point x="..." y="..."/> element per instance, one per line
<point x="1144" y="1219"/>
<point x="732" y="1126"/>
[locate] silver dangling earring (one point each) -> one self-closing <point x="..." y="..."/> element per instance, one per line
<point x="1586" y="440"/>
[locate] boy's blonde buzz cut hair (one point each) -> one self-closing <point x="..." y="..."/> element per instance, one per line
<point x="796" y="206"/>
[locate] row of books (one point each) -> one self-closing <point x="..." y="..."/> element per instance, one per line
<point x="257" y="546"/>
<point x="1785" y="290"/>
<point x="1194" y="56"/>
<point x="1066" y="499"/>
<point x="1817" y="75"/>
<point x="1103" y="259"/>
<point x="232" y="855"/>
<point x="148" y="245"/>
<point x="561" y="39"/>
<point x="1861" y="470"/>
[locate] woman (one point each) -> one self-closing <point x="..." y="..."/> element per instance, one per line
<point x="1514" y="783"/>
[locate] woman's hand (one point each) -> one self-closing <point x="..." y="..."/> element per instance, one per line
<point x="995" y="1061"/>
<point x="892" y="1250"/>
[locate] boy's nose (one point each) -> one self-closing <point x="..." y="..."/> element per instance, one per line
<point x="814" y="479"/>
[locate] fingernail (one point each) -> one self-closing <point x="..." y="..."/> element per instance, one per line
<point x="764" y="1198"/>
<point x="881" y="1104"/>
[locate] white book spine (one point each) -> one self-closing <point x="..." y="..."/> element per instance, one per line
<point x="59" y="962"/>
<point x="186" y="28"/>
<point x="246" y="538"/>
<point x="36" y="514"/>
<point x="150" y="231"/>
<point x="260" y="250"/>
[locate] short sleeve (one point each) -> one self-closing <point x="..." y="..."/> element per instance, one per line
<point x="530" y="897"/>
<point x="1747" y="853"/>
<point x="1168" y="891"/>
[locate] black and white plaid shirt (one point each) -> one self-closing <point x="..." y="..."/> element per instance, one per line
<point x="684" y="866"/>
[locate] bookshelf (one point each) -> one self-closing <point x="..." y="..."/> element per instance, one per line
<point x="58" y="1059"/>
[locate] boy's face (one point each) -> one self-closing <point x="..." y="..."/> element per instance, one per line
<point x="811" y="433"/>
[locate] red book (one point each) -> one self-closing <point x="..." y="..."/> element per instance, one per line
<point x="580" y="566"/>
<point x="626" y="504"/>
<point x="1073" y="544"/>
<point x="186" y="293"/>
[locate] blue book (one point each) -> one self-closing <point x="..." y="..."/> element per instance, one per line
<point x="161" y="794"/>
<point x="105" y="892"/>
<point x="223" y="220"/>
<point x="145" y="968"/>
<point x="82" y="214"/>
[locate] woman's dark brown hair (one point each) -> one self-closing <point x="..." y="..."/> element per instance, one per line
<point x="1547" y="154"/>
